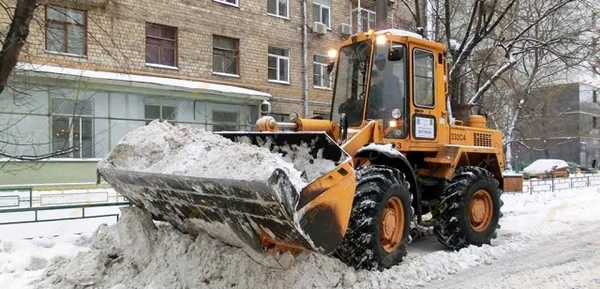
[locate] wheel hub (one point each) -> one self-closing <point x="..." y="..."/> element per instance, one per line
<point x="481" y="210"/>
<point x="478" y="210"/>
<point x="392" y="224"/>
<point x="389" y="223"/>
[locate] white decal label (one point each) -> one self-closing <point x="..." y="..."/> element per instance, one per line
<point x="424" y="127"/>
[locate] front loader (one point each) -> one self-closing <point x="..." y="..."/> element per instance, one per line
<point x="399" y="156"/>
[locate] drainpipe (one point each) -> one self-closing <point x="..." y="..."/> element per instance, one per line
<point x="358" y="18"/>
<point x="305" y="56"/>
<point x="381" y="14"/>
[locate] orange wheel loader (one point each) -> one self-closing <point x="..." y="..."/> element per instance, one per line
<point x="399" y="155"/>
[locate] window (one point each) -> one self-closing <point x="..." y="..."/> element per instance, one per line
<point x="278" y="7"/>
<point x="321" y="77"/>
<point x="594" y="96"/>
<point x="72" y="127"/>
<point x="161" y="45"/>
<point x="225" y="55"/>
<point x="423" y="78"/>
<point x="321" y="9"/>
<point x="594" y="122"/>
<point x="152" y="112"/>
<point x="66" y="30"/>
<point x="279" y="64"/>
<point x="368" y="20"/>
<point x="229" y="2"/>
<point x="225" y="120"/>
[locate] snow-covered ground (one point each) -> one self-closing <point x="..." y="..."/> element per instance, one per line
<point x="548" y="240"/>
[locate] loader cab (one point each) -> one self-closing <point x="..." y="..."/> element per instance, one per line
<point x="389" y="75"/>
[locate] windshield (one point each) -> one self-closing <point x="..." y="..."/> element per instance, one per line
<point x="351" y="81"/>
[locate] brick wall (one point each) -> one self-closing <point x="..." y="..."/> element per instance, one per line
<point x="116" y="42"/>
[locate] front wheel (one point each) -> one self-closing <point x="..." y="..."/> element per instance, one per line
<point x="471" y="211"/>
<point x="379" y="226"/>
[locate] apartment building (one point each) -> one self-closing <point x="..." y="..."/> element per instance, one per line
<point x="561" y="122"/>
<point x="93" y="70"/>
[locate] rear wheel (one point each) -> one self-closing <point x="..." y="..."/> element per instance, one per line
<point x="471" y="212"/>
<point x="379" y="226"/>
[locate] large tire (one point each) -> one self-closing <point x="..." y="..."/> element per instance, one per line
<point x="363" y="246"/>
<point x="458" y="225"/>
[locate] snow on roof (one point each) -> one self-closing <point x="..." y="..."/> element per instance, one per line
<point x="163" y="81"/>
<point x="545" y="165"/>
<point x="400" y="32"/>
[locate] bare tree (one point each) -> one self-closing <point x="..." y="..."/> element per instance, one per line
<point x="479" y="26"/>
<point x="554" y="47"/>
<point x="506" y="48"/>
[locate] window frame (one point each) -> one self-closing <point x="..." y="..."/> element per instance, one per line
<point x="321" y="6"/>
<point x="366" y="16"/>
<point x="66" y="30"/>
<point x="161" y="112"/>
<point x="224" y="2"/>
<point x="414" y="77"/>
<point x="213" y="123"/>
<point x="86" y="110"/>
<point x="279" y="57"/>
<point x="236" y="52"/>
<point x="287" y="12"/>
<point x="323" y="67"/>
<point x="160" y="39"/>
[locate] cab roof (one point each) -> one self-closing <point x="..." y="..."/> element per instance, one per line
<point x="399" y="32"/>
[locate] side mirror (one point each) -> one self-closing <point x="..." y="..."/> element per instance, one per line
<point x="396" y="53"/>
<point x="330" y="67"/>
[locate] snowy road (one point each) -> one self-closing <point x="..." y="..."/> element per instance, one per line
<point x="562" y="250"/>
<point x="547" y="240"/>
<point x="566" y="261"/>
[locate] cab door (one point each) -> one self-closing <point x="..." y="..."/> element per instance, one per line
<point x="424" y="118"/>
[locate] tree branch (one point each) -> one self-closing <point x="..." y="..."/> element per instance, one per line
<point x="39" y="157"/>
<point x="15" y="39"/>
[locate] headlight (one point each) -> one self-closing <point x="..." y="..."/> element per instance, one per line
<point x="396" y="113"/>
<point x="332" y="54"/>
<point x="381" y="39"/>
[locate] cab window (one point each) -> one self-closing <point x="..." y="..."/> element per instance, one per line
<point x="423" y="78"/>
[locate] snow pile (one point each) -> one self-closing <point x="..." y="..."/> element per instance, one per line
<point x="163" y="148"/>
<point x="545" y="165"/>
<point x="302" y="160"/>
<point x="139" y="253"/>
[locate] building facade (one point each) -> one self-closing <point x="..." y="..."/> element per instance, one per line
<point x="563" y="123"/>
<point x="93" y="70"/>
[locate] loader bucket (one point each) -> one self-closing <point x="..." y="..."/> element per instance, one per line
<point x="269" y="215"/>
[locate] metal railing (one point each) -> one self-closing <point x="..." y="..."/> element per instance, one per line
<point x="11" y="190"/>
<point x="82" y="207"/>
<point x="559" y="184"/>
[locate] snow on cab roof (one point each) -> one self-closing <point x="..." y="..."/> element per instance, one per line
<point x="400" y="32"/>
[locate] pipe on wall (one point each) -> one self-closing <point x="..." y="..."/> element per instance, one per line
<point x="381" y="14"/>
<point x="305" y="56"/>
